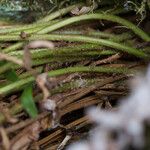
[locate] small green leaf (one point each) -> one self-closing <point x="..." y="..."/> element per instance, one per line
<point x="28" y="103"/>
<point x="11" y="75"/>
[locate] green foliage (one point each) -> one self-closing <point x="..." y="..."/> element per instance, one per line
<point x="140" y="7"/>
<point x="11" y="75"/>
<point x="37" y="8"/>
<point x="27" y="101"/>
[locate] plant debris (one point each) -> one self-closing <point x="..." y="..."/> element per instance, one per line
<point x="72" y="56"/>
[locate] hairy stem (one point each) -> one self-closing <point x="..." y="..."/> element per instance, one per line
<point x="16" y="85"/>
<point x="75" y="38"/>
<point x="108" y="17"/>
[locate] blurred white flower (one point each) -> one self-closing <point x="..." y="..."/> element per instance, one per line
<point x="79" y="146"/>
<point x="127" y="121"/>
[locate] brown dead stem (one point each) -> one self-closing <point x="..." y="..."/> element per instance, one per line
<point x="27" y="135"/>
<point x="33" y="45"/>
<point x="107" y="60"/>
<point x="30" y="133"/>
<point x="64" y="142"/>
<point x="5" y="139"/>
<point x="25" y="123"/>
<point x="72" y="102"/>
<point x="86" y="90"/>
<point x="41" y="80"/>
<point x="24" y="138"/>
<point x="77" y="124"/>
<point x="5" y="111"/>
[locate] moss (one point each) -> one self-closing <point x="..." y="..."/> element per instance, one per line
<point x="33" y="9"/>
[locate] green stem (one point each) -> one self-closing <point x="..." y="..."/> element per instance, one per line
<point x="102" y="42"/>
<point x="13" y="47"/>
<point x="18" y="84"/>
<point x="46" y="19"/>
<point x="74" y="38"/>
<point x="59" y="13"/>
<point x="43" y="22"/>
<point x="108" y="17"/>
<point x="15" y="29"/>
<point x="36" y="62"/>
<point x="113" y="37"/>
<point x="56" y="55"/>
<point x="39" y="53"/>
<point x="42" y="59"/>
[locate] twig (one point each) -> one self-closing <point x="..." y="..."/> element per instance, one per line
<point x="24" y="138"/>
<point x="27" y="54"/>
<point x="64" y="142"/>
<point x="5" y="139"/>
<point x="23" y="124"/>
<point x="5" y="111"/>
<point x="107" y="60"/>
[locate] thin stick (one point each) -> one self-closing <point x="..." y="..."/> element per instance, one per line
<point x="64" y="142"/>
<point x="107" y="60"/>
